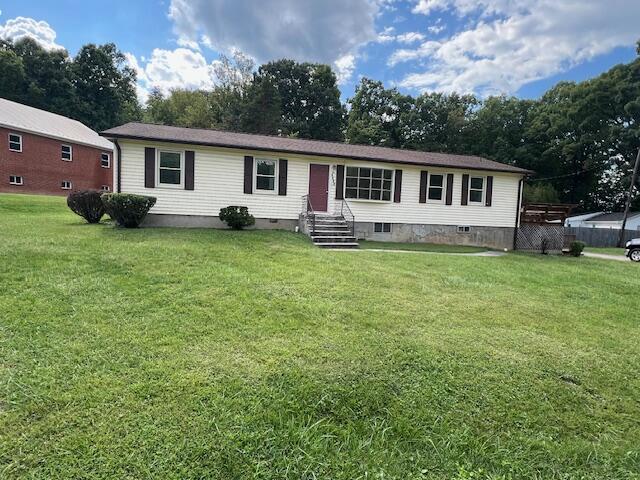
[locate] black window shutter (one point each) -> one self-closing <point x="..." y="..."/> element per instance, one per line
<point x="189" y="169"/>
<point x="465" y="189"/>
<point x="283" y="164"/>
<point x="149" y="167"/>
<point x="449" y="197"/>
<point x="423" y="186"/>
<point x="489" y="193"/>
<point x="248" y="174"/>
<point x="398" y="188"/>
<point x="340" y="182"/>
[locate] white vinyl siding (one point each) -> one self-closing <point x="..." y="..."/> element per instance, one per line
<point x="219" y="181"/>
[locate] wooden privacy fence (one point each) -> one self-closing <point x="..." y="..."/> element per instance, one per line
<point x="601" y="237"/>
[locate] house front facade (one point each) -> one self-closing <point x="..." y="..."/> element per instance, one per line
<point x="45" y="153"/>
<point x="393" y="195"/>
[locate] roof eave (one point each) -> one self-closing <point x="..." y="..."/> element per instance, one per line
<point x="55" y="137"/>
<point x="108" y="135"/>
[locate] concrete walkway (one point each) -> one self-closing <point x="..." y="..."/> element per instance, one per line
<point x="604" y="256"/>
<point x="488" y="253"/>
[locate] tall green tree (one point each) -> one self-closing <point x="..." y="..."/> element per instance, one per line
<point x="375" y="115"/>
<point x="437" y="122"/>
<point x="48" y="84"/>
<point x="309" y="98"/>
<point x="13" y="78"/>
<point x="182" y="108"/>
<point x="105" y="87"/>
<point x="497" y="131"/>
<point x="261" y="112"/>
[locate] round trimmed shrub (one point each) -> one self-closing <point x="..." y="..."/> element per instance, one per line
<point x="87" y="204"/>
<point x="576" y="248"/>
<point x="237" y="217"/>
<point x="128" y="210"/>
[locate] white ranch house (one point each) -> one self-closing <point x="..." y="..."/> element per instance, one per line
<point x="370" y="192"/>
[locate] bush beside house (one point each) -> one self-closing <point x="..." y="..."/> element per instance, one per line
<point x="88" y="204"/>
<point x="126" y="209"/>
<point x="237" y="217"/>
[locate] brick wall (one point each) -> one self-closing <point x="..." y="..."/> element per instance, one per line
<point x="41" y="166"/>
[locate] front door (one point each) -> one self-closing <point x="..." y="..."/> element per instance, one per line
<point x="319" y="186"/>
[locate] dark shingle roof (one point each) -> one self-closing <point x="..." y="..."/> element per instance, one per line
<point x="611" y="217"/>
<point x="218" y="138"/>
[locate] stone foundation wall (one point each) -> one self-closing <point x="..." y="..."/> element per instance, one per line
<point x="492" y="237"/>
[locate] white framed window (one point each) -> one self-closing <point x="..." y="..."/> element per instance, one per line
<point x="16" y="180"/>
<point x="476" y="189"/>
<point x="66" y="185"/>
<point x="15" y="142"/>
<point x="265" y="175"/>
<point x="382" y="227"/>
<point x="365" y="183"/>
<point x="464" y="229"/>
<point x="436" y="188"/>
<point x="67" y="153"/>
<point x="105" y="160"/>
<point x="105" y="188"/>
<point x="170" y="166"/>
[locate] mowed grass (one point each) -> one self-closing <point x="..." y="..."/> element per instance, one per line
<point x="190" y="354"/>
<point x="605" y="250"/>
<point x="420" y="247"/>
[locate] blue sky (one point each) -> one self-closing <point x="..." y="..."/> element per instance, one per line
<point x="512" y="47"/>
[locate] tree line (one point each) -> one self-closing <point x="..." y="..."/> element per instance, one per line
<point x="580" y="137"/>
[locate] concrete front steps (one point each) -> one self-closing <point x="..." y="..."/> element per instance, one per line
<point x="331" y="231"/>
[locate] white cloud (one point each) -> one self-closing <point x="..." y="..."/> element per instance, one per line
<point x="171" y="69"/>
<point x="22" y="27"/>
<point x="344" y="67"/>
<point x="304" y="30"/>
<point x="410" y="37"/>
<point x="387" y="35"/>
<point x="509" y="43"/>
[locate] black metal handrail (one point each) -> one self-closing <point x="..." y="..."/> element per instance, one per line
<point x="308" y="213"/>
<point x="347" y="214"/>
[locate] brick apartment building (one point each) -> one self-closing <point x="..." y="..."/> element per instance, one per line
<point x="45" y="153"/>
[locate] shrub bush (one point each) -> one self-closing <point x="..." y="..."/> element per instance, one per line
<point x="576" y="248"/>
<point x="128" y="210"/>
<point x="87" y="204"/>
<point x="237" y="217"/>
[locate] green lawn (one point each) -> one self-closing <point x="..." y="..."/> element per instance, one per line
<point x="420" y="247"/>
<point x="607" y="251"/>
<point x="191" y="354"/>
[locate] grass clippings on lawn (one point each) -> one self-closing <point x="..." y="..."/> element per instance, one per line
<point x="189" y="354"/>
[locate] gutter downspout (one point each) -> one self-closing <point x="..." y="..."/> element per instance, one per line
<point x="118" y="164"/>
<point x="517" y="225"/>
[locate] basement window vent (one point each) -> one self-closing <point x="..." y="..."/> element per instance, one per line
<point x="382" y="227"/>
<point x="464" y="229"/>
<point x="16" y="180"/>
<point x="66" y="185"/>
<point x="106" y="188"/>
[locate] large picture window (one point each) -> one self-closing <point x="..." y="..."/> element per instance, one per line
<point x="265" y="174"/>
<point x="170" y="168"/>
<point x="476" y="189"/>
<point x="368" y="183"/>
<point x="435" y="192"/>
